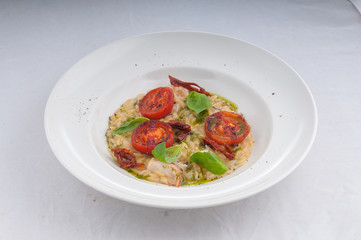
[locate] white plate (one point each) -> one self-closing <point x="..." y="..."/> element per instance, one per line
<point x="274" y="99"/>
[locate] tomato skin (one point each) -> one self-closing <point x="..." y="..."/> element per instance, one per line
<point x="157" y="103"/>
<point x="149" y="134"/>
<point x="226" y="127"/>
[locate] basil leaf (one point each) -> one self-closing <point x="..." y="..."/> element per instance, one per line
<point x="129" y="126"/>
<point x="173" y="153"/>
<point x="198" y="102"/>
<point x="167" y="155"/>
<point x="159" y="152"/>
<point x="210" y="161"/>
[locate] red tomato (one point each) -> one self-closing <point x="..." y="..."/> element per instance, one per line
<point x="149" y="134"/>
<point x="226" y="127"/>
<point x="157" y="103"/>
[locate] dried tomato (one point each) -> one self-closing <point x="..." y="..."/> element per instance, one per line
<point x="125" y="157"/>
<point x="188" y="85"/>
<point x="225" y="149"/>
<point x="181" y="129"/>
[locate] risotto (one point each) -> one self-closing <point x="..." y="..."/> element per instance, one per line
<point x="188" y="134"/>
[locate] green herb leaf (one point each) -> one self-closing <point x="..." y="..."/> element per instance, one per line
<point x="198" y="102"/>
<point x="129" y="126"/>
<point x="210" y="161"/>
<point x="173" y="153"/>
<point x="167" y="155"/>
<point x="159" y="152"/>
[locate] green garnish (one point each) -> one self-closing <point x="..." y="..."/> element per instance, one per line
<point x="167" y="155"/>
<point x="130" y="125"/>
<point x="231" y="104"/>
<point x="198" y="102"/>
<point x="210" y="161"/>
<point x="201" y="117"/>
<point x="236" y="148"/>
<point x="201" y="181"/>
<point x="137" y="175"/>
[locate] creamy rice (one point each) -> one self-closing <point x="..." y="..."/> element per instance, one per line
<point x="192" y="173"/>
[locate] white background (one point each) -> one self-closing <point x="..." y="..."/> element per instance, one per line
<point x="40" y="40"/>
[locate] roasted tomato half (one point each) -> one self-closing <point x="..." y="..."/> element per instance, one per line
<point x="226" y="127"/>
<point x="149" y="134"/>
<point x="157" y="103"/>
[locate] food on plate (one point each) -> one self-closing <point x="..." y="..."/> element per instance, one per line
<point x="157" y="103"/>
<point x="226" y="127"/>
<point x="149" y="134"/>
<point x="179" y="135"/>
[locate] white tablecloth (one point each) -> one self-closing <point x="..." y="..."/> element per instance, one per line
<point x="40" y="40"/>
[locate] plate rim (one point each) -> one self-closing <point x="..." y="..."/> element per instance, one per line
<point x="108" y="191"/>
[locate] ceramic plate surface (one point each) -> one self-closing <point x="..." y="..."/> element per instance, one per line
<point x="273" y="98"/>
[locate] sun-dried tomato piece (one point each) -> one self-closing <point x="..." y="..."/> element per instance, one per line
<point x="180" y="125"/>
<point x="182" y="136"/>
<point x="225" y="149"/>
<point x="182" y="128"/>
<point x="188" y="85"/>
<point x="125" y="157"/>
